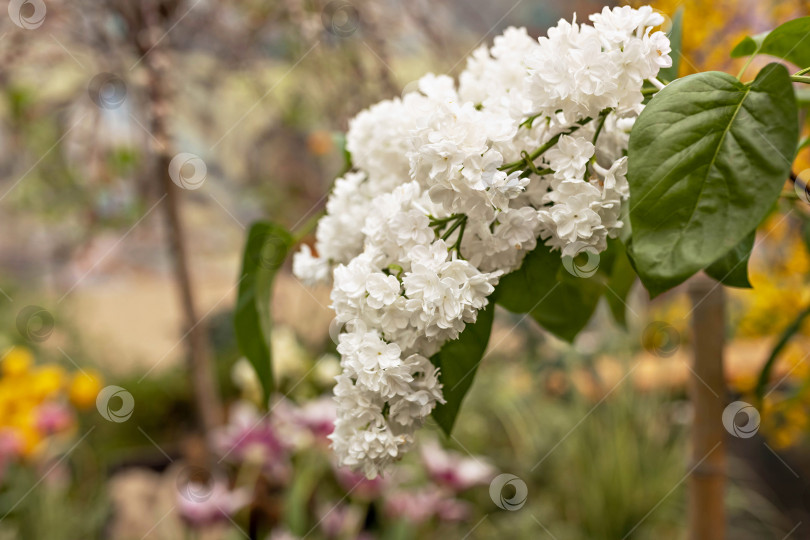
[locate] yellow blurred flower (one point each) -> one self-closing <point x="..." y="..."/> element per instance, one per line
<point x="47" y="381"/>
<point x="35" y="401"/>
<point x="784" y="422"/>
<point x="84" y="388"/>
<point x="16" y="362"/>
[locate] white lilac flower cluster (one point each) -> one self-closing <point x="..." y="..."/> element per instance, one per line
<point x="451" y="187"/>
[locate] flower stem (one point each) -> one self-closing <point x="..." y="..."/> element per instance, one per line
<point x="601" y="123"/>
<point x="461" y="219"/>
<point x="308" y="226"/>
<point x="519" y="164"/>
<point x="745" y="66"/>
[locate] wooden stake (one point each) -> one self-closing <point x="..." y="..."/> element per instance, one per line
<point x="707" y="391"/>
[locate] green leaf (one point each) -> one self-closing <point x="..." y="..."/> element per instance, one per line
<point x="458" y="361"/>
<point x="787" y="41"/>
<point x="675" y="42"/>
<point x="266" y="248"/>
<point x="560" y="302"/>
<point x="298" y="495"/>
<point x="732" y="268"/>
<point x="707" y="159"/>
<point x="621" y="278"/>
<point x="748" y="46"/>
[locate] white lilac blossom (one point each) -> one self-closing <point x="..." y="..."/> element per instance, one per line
<point x="451" y="188"/>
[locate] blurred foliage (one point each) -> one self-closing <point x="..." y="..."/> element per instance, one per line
<point x="596" y="468"/>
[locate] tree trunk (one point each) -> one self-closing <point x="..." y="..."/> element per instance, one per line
<point x="205" y="392"/>
<point x="707" y="391"/>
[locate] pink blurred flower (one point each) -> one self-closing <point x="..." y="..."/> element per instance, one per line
<point x="339" y="520"/>
<point x="318" y="416"/>
<point x="11" y="443"/>
<point x="11" y="447"/>
<point x="452" y="510"/>
<point x="314" y="419"/>
<point x="453" y="470"/>
<point x="201" y="504"/>
<point x="360" y="486"/>
<point x="53" y="417"/>
<point x="281" y="534"/>
<point x="421" y="505"/>
<point x="249" y="436"/>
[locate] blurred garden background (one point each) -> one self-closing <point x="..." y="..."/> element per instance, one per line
<point x="113" y="283"/>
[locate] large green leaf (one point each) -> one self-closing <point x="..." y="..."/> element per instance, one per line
<point x="732" y="268"/>
<point x="458" y="361"/>
<point x="790" y="41"/>
<point x="675" y="40"/>
<point x="559" y="301"/>
<point x="266" y="248"/>
<point x="707" y="159"/>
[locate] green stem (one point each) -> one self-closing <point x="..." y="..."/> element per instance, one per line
<point x="747" y="63"/>
<point x="601" y="123"/>
<point x="529" y="122"/>
<point x="457" y="244"/>
<point x="455" y="226"/>
<point x="543" y="172"/>
<point x="796" y="78"/>
<point x="443" y="221"/>
<point x="802" y="71"/>
<point x="532" y="167"/>
<point x="308" y="226"/>
<point x="519" y="164"/>
<point x="396" y="268"/>
<point x="437" y="224"/>
<point x="790" y="331"/>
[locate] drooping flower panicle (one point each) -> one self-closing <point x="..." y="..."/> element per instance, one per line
<point x="451" y="187"/>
